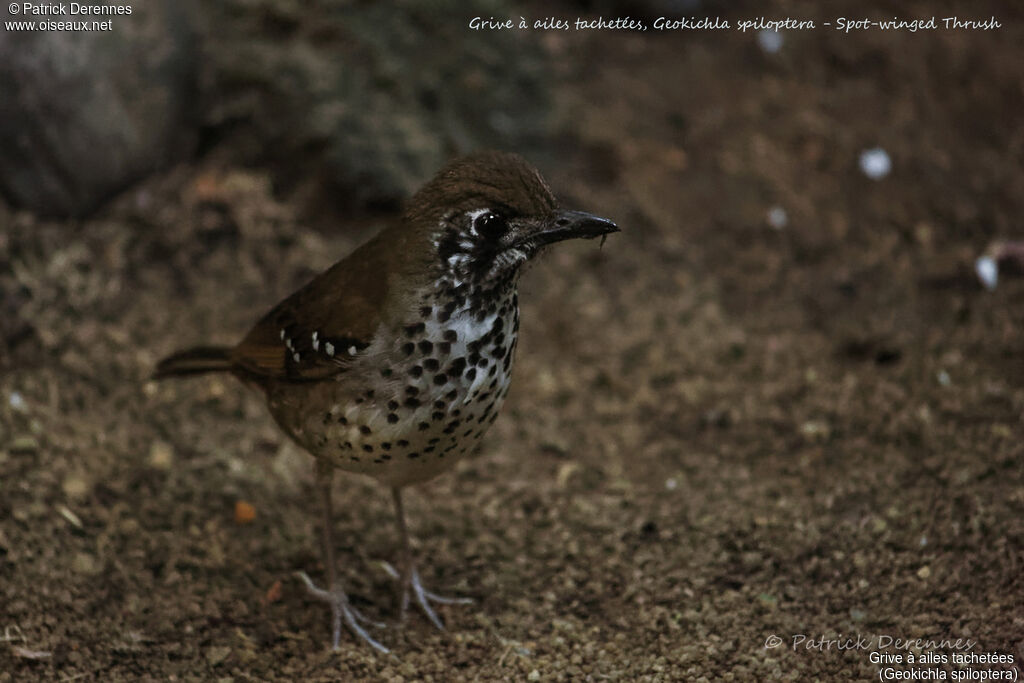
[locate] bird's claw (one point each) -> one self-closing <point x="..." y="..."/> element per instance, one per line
<point x="342" y="611"/>
<point x="414" y="587"/>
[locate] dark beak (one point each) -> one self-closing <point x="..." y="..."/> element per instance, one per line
<point x="572" y="224"/>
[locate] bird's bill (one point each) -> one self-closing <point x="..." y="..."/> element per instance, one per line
<point x="571" y="225"/>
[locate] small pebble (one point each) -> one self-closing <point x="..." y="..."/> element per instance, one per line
<point x="216" y="655"/>
<point x="943" y="378"/>
<point x="161" y="455"/>
<point x="24" y="444"/>
<point x="988" y="272"/>
<point x="245" y="513"/>
<point x="84" y="563"/>
<point x="17" y="402"/>
<point x="924" y="572"/>
<point x="75" y="486"/>
<point x="875" y="163"/>
<point x="671" y="484"/>
<point x="777" y="217"/>
<point x="770" y="41"/>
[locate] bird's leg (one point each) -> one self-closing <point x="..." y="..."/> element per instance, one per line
<point x="341" y="609"/>
<point x="409" y="578"/>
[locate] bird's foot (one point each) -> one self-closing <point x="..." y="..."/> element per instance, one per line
<point x="342" y="611"/>
<point x="412" y="587"/>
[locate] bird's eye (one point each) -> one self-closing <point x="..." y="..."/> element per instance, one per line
<point x="490" y="225"/>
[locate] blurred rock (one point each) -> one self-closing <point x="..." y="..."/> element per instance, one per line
<point x="85" y="113"/>
<point x="366" y="100"/>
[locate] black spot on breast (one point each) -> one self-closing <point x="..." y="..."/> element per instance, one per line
<point x="429" y="449"/>
<point x="471" y="374"/>
<point x="392" y="418"/>
<point x="434" y="440"/>
<point x="402" y="443"/>
<point x="415" y="371"/>
<point x="368" y="448"/>
<point x="408" y="348"/>
<point x="451" y="335"/>
<point x="437" y="416"/>
<point x="431" y="364"/>
<point x="386" y="445"/>
<point x="353" y="458"/>
<point x="413" y="455"/>
<point x="412" y="402"/>
<point x="363" y="429"/>
<point x="456" y="367"/>
<point x="392" y="405"/>
<point x="440" y="379"/>
<point x="414" y="329"/>
<point x="445" y="348"/>
<point x="426" y="311"/>
<point x="424" y="426"/>
<point x="347" y="444"/>
<point x="386" y="372"/>
<point x="412" y="391"/>
<point x="426" y="346"/>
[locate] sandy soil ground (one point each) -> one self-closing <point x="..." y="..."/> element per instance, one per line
<point x="719" y="430"/>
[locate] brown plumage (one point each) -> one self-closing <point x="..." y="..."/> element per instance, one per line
<point x="394" y="361"/>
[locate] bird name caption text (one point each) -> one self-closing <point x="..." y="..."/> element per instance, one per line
<point x="910" y="659"/>
<point x="63" y="16"/>
<point x="663" y="24"/>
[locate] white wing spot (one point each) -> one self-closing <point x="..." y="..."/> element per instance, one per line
<point x="329" y="348"/>
<point x="296" y="357"/>
<point x="282" y="333"/>
<point x="352" y="350"/>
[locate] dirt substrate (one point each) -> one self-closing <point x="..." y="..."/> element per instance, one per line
<point x="719" y="430"/>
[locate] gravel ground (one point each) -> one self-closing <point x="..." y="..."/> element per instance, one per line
<point x="720" y="429"/>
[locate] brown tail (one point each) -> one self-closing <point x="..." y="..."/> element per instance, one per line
<point x="195" y="361"/>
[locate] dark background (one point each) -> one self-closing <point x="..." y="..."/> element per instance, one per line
<point x="720" y="429"/>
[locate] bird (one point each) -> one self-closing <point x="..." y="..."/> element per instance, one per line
<point x="395" y="361"/>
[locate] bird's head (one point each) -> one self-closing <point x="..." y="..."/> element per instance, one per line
<point x="488" y="214"/>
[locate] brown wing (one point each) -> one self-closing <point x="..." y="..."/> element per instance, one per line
<point x="319" y="330"/>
